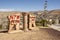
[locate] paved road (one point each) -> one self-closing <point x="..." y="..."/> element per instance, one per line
<point x="56" y="27"/>
<point x="41" y="34"/>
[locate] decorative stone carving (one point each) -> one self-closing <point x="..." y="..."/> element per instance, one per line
<point x="28" y="22"/>
<point x="31" y="21"/>
<point x="14" y="21"/>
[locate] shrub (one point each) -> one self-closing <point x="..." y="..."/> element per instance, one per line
<point x="42" y="22"/>
<point x="0" y="26"/>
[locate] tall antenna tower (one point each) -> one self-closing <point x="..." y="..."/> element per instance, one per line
<point x="45" y="5"/>
<point x="45" y="9"/>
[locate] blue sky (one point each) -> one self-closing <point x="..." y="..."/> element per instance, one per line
<point x="28" y="5"/>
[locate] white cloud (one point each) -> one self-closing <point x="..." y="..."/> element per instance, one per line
<point x="3" y="10"/>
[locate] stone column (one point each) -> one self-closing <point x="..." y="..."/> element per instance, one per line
<point x="25" y="25"/>
<point x="17" y="26"/>
<point x="31" y="21"/>
<point x="10" y="27"/>
<point x="17" y="21"/>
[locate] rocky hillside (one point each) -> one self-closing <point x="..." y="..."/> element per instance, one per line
<point x="53" y="14"/>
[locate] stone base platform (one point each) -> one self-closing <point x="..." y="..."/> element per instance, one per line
<point x="16" y="31"/>
<point x="34" y="28"/>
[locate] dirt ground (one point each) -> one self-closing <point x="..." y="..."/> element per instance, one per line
<point x="41" y="34"/>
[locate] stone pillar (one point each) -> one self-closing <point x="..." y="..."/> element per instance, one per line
<point x="17" y="26"/>
<point x="31" y="21"/>
<point x="25" y="25"/>
<point x="10" y="27"/>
